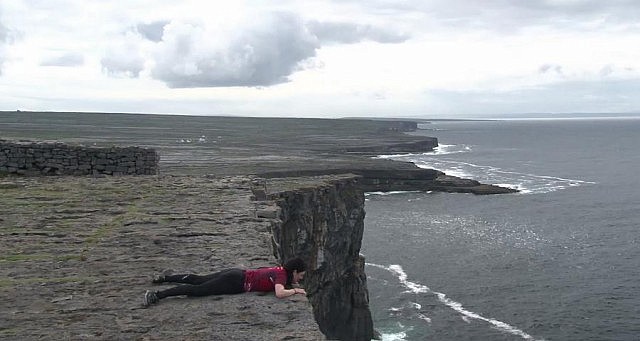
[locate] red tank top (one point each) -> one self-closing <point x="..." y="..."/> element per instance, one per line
<point x="264" y="279"/>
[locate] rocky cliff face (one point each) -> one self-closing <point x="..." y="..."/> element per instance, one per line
<point x="324" y="225"/>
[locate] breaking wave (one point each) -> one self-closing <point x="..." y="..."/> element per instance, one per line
<point x="466" y="315"/>
<point x="525" y="183"/>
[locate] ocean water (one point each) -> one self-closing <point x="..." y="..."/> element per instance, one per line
<point x="558" y="261"/>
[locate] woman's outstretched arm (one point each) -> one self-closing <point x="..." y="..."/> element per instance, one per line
<point x="281" y="292"/>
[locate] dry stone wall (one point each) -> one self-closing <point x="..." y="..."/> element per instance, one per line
<point x="57" y="158"/>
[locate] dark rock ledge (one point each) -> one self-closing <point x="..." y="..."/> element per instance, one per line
<point x="387" y="180"/>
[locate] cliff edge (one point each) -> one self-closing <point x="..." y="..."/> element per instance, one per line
<point x="79" y="252"/>
<point x="323" y="221"/>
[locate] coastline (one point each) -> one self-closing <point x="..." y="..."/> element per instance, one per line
<point x="203" y="162"/>
<point x="223" y="146"/>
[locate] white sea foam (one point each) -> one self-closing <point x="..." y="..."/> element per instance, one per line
<point x="445" y="149"/>
<point x="395" y="156"/>
<point x="451" y="169"/>
<point x="393" y="336"/>
<point x="201" y="139"/>
<point x="469" y="314"/>
<point x="414" y="287"/>
<point x="526" y="183"/>
<point x="424" y="317"/>
<point x="441" y="149"/>
<point x="388" y="193"/>
<point x="512" y="186"/>
<point x="402" y="276"/>
<point x="421" y="316"/>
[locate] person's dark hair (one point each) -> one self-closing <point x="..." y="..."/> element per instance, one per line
<point x="296" y="264"/>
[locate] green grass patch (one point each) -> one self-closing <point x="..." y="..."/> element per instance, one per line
<point x="20" y="257"/>
<point x="104" y="230"/>
<point x="11" y="331"/>
<point x="108" y="228"/>
<point x="9" y="282"/>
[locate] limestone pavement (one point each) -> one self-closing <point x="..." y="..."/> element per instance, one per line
<point x="79" y="252"/>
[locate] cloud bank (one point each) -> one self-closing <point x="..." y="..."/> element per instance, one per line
<point x="258" y="51"/>
<point x="501" y="15"/>
<point x="152" y="31"/>
<point x="349" y="33"/>
<point x="4" y="39"/>
<point x="262" y="54"/>
<point x="125" y="58"/>
<point x="67" y="60"/>
<point x="4" y="33"/>
<point x="347" y="57"/>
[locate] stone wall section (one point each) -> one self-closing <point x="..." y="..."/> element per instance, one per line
<point x="57" y="158"/>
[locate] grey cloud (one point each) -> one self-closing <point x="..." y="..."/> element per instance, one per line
<point x="4" y="40"/>
<point x="123" y="65"/>
<point x="263" y="55"/>
<point x="606" y="70"/>
<point x="548" y="68"/>
<point x="124" y="58"/>
<point x="341" y="32"/>
<point x="69" y="59"/>
<point x="152" y="31"/>
<point x="506" y="15"/>
<point x="621" y="9"/>
<point x="4" y="33"/>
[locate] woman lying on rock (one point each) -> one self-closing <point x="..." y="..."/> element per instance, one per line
<point x="233" y="281"/>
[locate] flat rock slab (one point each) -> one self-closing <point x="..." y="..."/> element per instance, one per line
<point x="78" y="253"/>
<point x="198" y="145"/>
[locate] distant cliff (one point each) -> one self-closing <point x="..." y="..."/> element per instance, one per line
<point x="324" y="224"/>
<point x="423" y="145"/>
<point x="406" y="178"/>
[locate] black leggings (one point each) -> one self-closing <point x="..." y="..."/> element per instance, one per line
<point x="229" y="281"/>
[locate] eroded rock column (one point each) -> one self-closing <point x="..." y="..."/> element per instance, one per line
<point x="324" y="225"/>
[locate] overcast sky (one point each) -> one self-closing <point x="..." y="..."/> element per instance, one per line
<point x="437" y="58"/>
